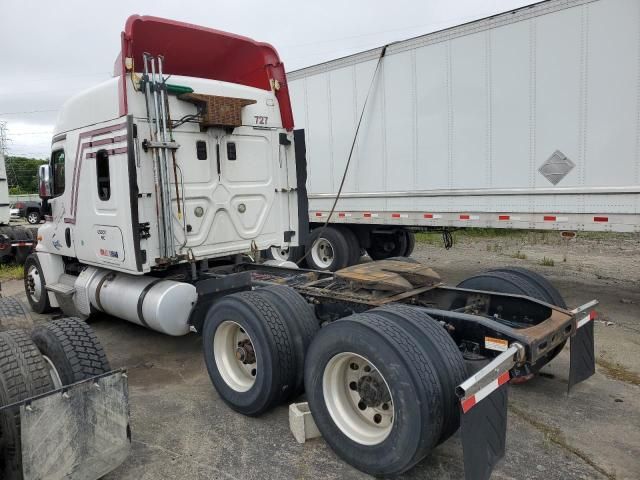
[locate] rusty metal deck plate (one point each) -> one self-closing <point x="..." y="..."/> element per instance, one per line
<point x="389" y="275"/>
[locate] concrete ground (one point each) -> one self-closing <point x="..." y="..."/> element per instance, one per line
<point x="182" y="430"/>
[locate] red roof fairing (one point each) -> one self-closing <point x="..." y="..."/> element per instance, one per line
<point x="195" y="51"/>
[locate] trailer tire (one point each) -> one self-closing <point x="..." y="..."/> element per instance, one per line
<point x="391" y="370"/>
<point x="72" y="348"/>
<point x="386" y="245"/>
<point x="552" y="295"/>
<point x="411" y="242"/>
<point x="13" y="314"/>
<point x="35" y="285"/>
<point x="291" y="254"/>
<point x="301" y="321"/>
<point x="244" y="326"/>
<point x="443" y="352"/>
<point x="23" y="374"/>
<point x="327" y="249"/>
<point x="353" y="244"/>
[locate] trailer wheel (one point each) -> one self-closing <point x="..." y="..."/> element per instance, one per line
<point x="71" y="350"/>
<point x="34" y="285"/>
<point x="23" y="374"/>
<point x="249" y="352"/>
<point x="282" y="254"/>
<point x="438" y="345"/>
<point x="353" y="244"/>
<point x="328" y="249"/>
<point x="411" y="243"/>
<point x="374" y="395"/>
<point x="301" y="321"/>
<point x="386" y="245"/>
<point x="13" y="314"/>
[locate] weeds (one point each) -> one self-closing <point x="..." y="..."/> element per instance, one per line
<point x="519" y="255"/>
<point x="547" y="262"/>
<point x="11" y="272"/>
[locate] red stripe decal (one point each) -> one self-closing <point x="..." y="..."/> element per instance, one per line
<point x="395" y="215"/>
<point x="341" y="215"/>
<point x="464" y="217"/>
<point x="318" y="214"/>
<point x="428" y="215"/>
<point x="593" y="315"/>
<point x="549" y="218"/>
<point x="468" y="404"/>
<point x="366" y="215"/>
<point x="503" y="217"/>
<point x="504" y="378"/>
<point x="600" y="219"/>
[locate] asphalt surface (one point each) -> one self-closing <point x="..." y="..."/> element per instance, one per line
<point x="181" y="429"/>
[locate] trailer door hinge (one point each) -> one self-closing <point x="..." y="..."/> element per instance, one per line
<point x="143" y="230"/>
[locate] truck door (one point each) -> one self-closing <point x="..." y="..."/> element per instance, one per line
<point x="254" y="176"/>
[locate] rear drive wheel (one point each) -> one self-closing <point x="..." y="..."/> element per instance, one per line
<point x="13" y="314"/>
<point x="327" y="249"/>
<point x="35" y="285"/>
<point x="438" y="345"/>
<point x="301" y="321"/>
<point x="23" y="374"/>
<point x="249" y="352"/>
<point x="72" y="350"/>
<point x="373" y="394"/>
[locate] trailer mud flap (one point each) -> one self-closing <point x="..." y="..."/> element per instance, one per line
<point x="484" y="433"/>
<point x="582" y="355"/>
<point x="80" y="432"/>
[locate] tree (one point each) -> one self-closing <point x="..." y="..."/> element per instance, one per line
<point x="22" y="174"/>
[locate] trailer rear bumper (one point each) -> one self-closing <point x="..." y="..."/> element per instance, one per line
<point x="484" y="395"/>
<point x="78" y="431"/>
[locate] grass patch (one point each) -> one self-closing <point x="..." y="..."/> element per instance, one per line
<point x="519" y="255"/>
<point x="547" y="262"/>
<point x="11" y="272"/>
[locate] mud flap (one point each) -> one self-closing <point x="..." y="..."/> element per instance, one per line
<point x="484" y="433"/>
<point x="81" y="431"/>
<point x="582" y="355"/>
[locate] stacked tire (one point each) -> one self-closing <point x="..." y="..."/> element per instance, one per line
<point x="53" y="355"/>
<point x="381" y="387"/>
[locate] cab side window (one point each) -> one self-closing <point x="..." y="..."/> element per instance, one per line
<point x="57" y="168"/>
<point x="102" y="172"/>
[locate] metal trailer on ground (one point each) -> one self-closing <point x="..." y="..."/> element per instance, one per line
<point x="16" y="242"/>
<point x="155" y="192"/>
<point x="529" y="119"/>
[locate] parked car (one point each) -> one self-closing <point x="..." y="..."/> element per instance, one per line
<point x="27" y="209"/>
<point x="14" y="212"/>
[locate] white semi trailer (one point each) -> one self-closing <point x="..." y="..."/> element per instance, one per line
<point x="529" y="119"/>
<point x="162" y="177"/>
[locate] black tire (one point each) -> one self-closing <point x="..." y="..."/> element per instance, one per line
<point x="353" y="244"/>
<point x="301" y="322"/>
<point x="13" y="314"/>
<point x="438" y="345"/>
<point x="386" y="245"/>
<point x="552" y="295"/>
<point x="333" y="254"/>
<point x="272" y="343"/>
<point x="411" y="243"/>
<point x="41" y="304"/>
<point x="34" y="217"/>
<point x="412" y="381"/>
<point x="23" y="374"/>
<point x="508" y="280"/>
<point x="73" y="348"/>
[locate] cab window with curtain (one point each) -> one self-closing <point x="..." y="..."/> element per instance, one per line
<point x="57" y="168"/>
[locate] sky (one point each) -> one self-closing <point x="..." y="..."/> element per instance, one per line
<point x="52" y="49"/>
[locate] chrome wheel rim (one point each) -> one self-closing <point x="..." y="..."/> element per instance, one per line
<point x="235" y="356"/>
<point x="32" y="218"/>
<point x="53" y="373"/>
<point x="358" y="398"/>
<point x="34" y="285"/>
<point x="322" y="252"/>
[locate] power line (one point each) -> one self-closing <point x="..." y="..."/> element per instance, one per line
<point x="28" y="112"/>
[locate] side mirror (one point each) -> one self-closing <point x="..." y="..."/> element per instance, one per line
<point x="45" y="186"/>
